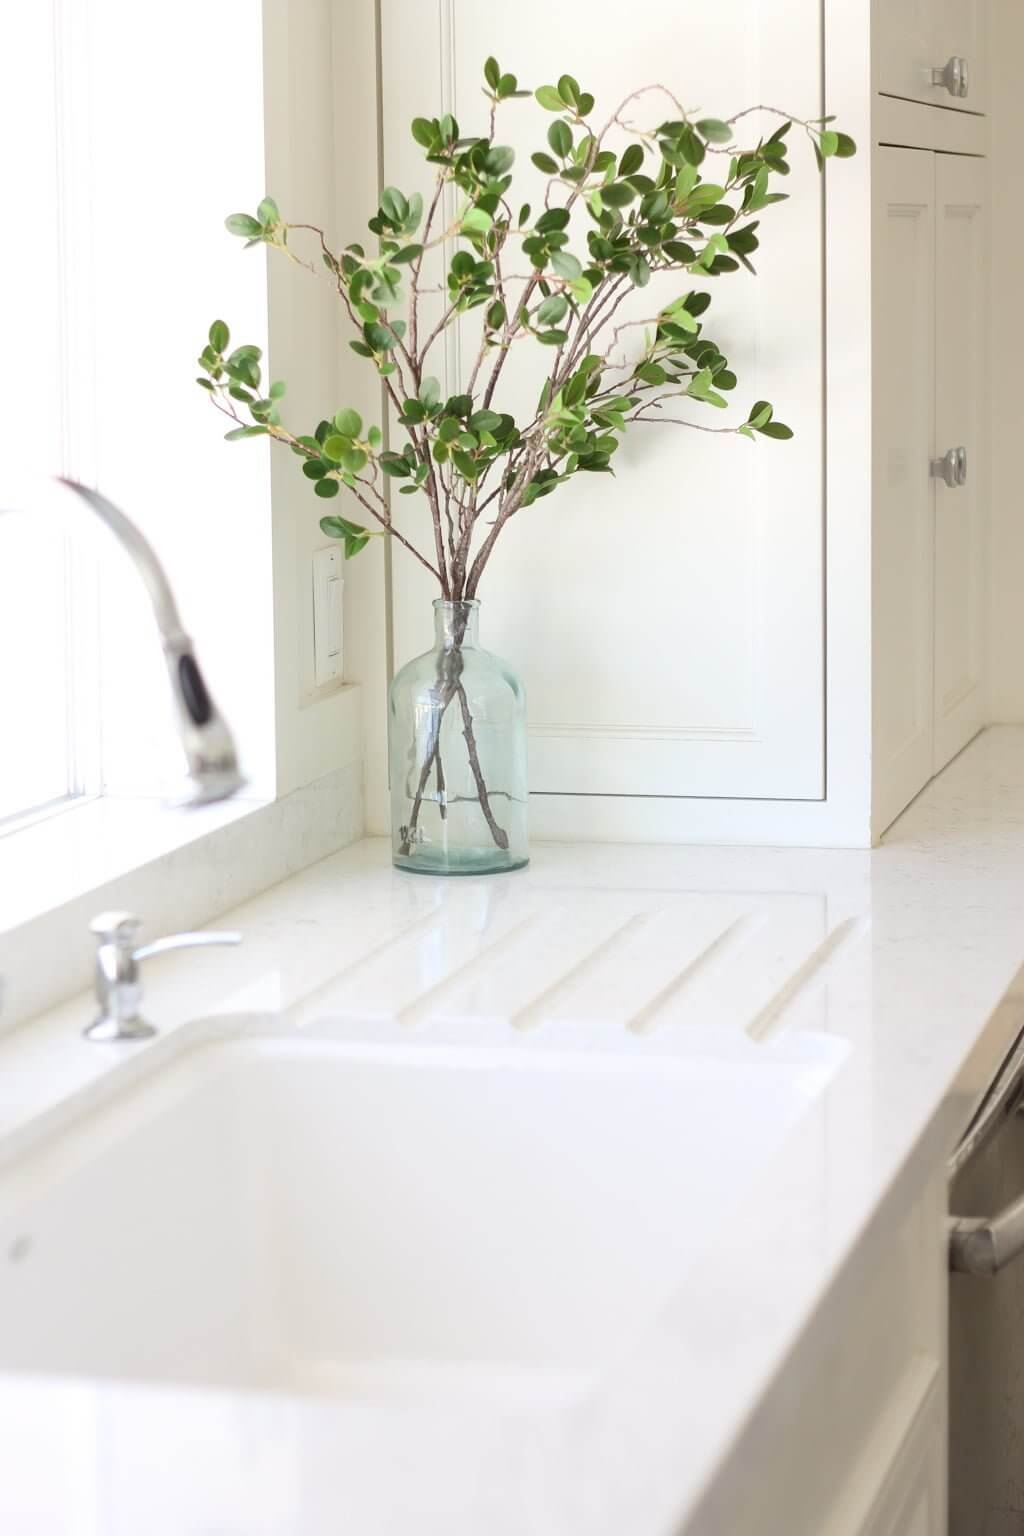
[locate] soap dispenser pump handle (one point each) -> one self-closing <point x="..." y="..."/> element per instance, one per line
<point x="115" y="927"/>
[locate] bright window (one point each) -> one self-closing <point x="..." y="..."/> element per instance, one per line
<point x="49" y="740"/>
<point x="130" y="132"/>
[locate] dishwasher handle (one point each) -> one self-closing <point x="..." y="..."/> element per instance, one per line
<point x="986" y="1246"/>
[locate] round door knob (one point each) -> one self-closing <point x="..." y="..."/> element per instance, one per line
<point x="953" y="75"/>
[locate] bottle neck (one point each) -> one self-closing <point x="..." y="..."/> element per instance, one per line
<point x="456" y="624"/>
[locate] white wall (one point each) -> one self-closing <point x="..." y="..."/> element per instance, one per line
<point x="316" y="730"/>
<point x="1007" y="511"/>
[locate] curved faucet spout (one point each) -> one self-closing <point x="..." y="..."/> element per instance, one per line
<point x="207" y="742"/>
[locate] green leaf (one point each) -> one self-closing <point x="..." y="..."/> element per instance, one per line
<point x="243" y="225"/>
<point x="267" y="212"/>
<point x="337" y="527"/>
<point x="569" y="90"/>
<point x="406" y="254"/>
<point x="237" y="433"/>
<point x="492" y="73"/>
<point x="349" y="423"/>
<point x="651" y="373"/>
<point x="546" y="164"/>
<point x="327" y="488"/>
<point x="477" y="221"/>
<point x="560" y="138"/>
<point x="549" y="98"/>
<point x="618" y="194"/>
<point x="484" y="421"/>
<point x="828" y="143"/>
<point x="632" y="160"/>
<point x="776" y="429"/>
<point x="846" y="147"/>
<point x="496" y="316"/>
<point x="466" y="466"/>
<point x="499" y="160"/>
<point x="314" y="469"/>
<point x="394" y="206"/>
<point x="553" y="338"/>
<point x="395" y="464"/>
<point x="277" y="389"/>
<point x="220" y="336"/>
<point x="336" y="447"/>
<point x="423" y="131"/>
<point x="206" y="384"/>
<point x="714" y="130"/>
<point x="565" y="264"/>
<point x="552" y="310"/>
<point x="430" y="392"/>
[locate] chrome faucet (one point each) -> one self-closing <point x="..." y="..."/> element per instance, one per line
<point x="209" y="747"/>
<point x="118" y="988"/>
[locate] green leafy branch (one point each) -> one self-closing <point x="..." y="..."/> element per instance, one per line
<point x="611" y="219"/>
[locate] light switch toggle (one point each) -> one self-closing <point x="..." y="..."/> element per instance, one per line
<point x="327" y="616"/>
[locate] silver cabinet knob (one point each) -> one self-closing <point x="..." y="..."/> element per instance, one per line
<point x="951" y="468"/>
<point x="954" y="75"/>
<point x="118" y="986"/>
<point x="945" y="469"/>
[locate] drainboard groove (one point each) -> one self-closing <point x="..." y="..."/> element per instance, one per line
<point x="766" y="1021"/>
<point x="529" y="1016"/>
<point x="423" y="1005"/>
<point x="326" y="991"/>
<point x="737" y="932"/>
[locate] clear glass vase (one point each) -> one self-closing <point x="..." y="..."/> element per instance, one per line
<point x="457" y="754"/>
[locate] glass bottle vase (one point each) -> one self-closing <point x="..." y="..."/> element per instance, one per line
<point x="457" y="755"/>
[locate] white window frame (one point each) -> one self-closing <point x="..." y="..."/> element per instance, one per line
<point x="74" y="300"/>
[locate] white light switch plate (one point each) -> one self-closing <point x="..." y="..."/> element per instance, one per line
<point x="327" y="616"/>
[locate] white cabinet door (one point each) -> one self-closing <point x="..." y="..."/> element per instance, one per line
<point x="912" y="1498"/>
<point x="902" y="532"/>
<point x="903" y="41"/>
<point x="668" y="622"/>
<point x="961" y="329"/>
<point x="962" y="30"/>
<point x="914" y="37"/>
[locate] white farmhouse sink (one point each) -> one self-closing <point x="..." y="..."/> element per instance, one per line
<point x="316" y="1215"/>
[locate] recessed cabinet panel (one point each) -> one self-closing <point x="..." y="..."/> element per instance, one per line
<point x="916" y="40"/>
<point x="667" y="621"/>
<point x="902" y="543"/>
<point x="960" y="422"/>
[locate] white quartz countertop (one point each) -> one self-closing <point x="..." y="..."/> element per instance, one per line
<point x="887" y="973"/>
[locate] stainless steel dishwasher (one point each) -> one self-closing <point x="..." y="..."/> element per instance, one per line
<point x="986" y="1314"/>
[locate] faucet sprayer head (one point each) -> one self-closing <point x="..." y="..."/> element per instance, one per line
<point x="208" y="744"/>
